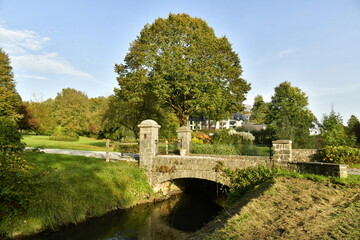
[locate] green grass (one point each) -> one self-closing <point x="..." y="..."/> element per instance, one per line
<point x="79" y="187"/>
<point x="83" y="144"/>
<point x="229" y="149"/>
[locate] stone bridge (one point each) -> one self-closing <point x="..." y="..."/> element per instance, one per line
<point x="162" y="170"/>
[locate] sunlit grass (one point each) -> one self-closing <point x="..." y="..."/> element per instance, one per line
<point x="76" y="188"/>
<point x="84" y="143"/>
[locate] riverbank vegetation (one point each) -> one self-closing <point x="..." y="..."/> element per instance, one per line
<point x="278" y="204"/>
<point x="75" y="188"/>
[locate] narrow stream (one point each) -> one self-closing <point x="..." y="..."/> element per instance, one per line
<point x="172" y="219"/>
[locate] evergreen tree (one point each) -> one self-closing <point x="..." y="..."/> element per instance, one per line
<point x="10" y="100"/>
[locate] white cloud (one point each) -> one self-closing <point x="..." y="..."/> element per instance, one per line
<point x="285" y="52"/>
<point x="25" y="50"/>
<point x="31" y="76"/>
<point x="20" y="41"/>
<point x="47" y="63"/>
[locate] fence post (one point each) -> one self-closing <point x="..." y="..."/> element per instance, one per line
<point x="166" y="147"/>
<point x="107" y="150"/>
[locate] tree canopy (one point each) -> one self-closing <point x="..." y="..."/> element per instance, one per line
<point x="10" y="100"/>
<point x="259" y="110"/>
<point x="181" y="64"/>
<point x="71" y="110"/>
<point x="288" y="116"/>
<point x="354" y="127"/>
<point x="334" y="133"/>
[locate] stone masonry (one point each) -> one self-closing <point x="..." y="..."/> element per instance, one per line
<point x="282" y="150"/>
<point x="161" y="170"/>
<point x="184" y="136"/>
<point x="149" y="137"/>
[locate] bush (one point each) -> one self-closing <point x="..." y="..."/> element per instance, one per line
<point x="243" y="180"/>
<point x="220" y="149"/>
<point x="339" y="154"/>
<point x="127" y="148"/>
<point x="63" y="134"/>
<point x="10" y="137"/>
<point x="17" y="178"/>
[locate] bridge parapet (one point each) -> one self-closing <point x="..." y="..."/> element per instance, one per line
<point x="166" y="168"/>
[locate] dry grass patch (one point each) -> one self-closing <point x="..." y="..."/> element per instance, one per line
<point x="292" y="209"/>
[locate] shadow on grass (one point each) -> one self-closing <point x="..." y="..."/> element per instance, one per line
<point x="97" y="144"/>
<point x="228" y="213"/>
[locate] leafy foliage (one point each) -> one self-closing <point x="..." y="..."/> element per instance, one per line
<point x="179" y="63"/>
<point x="71" y="110"/>
<point x="64" y="134"/>
<point x="41" y="119"/>
<point x="259" y="110"/>
<point x="340" y="154"/>
<point x="17" y="178"/>
<point x="354" y="128"/>
<point x="243" y="180"/>
<point x="334" y="133"/>
<point x="10" y="100"/>
<point x="288" y="116"/>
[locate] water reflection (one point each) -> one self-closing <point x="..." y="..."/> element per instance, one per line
<point x="173" y="219"/>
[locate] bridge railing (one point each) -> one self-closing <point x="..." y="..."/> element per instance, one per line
<point x="168" y="146"/>
<point x="128" y="147"/>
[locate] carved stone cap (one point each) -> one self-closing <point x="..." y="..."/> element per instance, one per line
<point x="282" y="142"/>
<point x="148" y="123"/>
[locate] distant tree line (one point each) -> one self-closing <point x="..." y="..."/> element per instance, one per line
<point x="287" y="117"/>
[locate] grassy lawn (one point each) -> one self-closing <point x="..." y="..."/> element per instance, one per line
<point x="83" y="144"/>
<point x="76" y="188"/>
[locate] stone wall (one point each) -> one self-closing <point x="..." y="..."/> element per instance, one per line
<point x="282" y="150"/>
<point x="326" y="169"/>
<point x="204" y="167"/>
<point x="304" y="155"/>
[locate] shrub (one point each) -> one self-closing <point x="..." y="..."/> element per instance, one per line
<point x="10" y="137"/>
<point x="17" y="178"/>
<point x="220" y="149"/>
<point x="200" y="137"/>
<point x="63" y="134"/>
<point x="127" y="148"/>
<point x="339" y="154"/>
<point x="243" y="180"/>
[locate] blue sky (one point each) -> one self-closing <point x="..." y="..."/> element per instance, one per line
<point x="315" y="44"/>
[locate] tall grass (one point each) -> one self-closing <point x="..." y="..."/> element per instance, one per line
<point x="76" y="188"/>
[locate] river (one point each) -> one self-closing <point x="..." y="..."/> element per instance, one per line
<point x="173" y="219"/>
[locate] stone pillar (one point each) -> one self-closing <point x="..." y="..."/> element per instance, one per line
<point x="282" y="150"/>
<point x="149" y="136"/>
<point x="184" y="136"/>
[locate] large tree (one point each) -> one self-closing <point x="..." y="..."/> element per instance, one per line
<point x="71" y="110"/>
<point x="259" y="110"/>
<point x="288" y="116"/>
<point x="181" y="64"/>
<point x="10" y="100"/>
